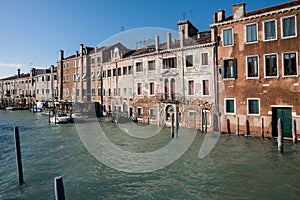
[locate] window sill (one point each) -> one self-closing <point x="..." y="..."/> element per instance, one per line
<point x="290" y="76"/>
<point x="252" y="78"/>
<point x="267" y="77"/>
<point x="228" y="79"/>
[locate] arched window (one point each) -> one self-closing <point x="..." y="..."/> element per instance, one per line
<point x="166" y="86"/>
<point x="173" y="89"/>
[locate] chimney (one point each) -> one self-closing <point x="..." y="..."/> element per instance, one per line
<point x="156" y="43"/>
<point x="215" y="17"/>
<point x="19" y="73"/>
<point x="52" y="69"/>
<point x="77" y="54"/>
<point x="238" y="10"/>
<point x="81" y="49"/>
<point x="181" y="37"/>
<point x="221" y="15"/>
<point x="61" y="54"/>
<point x="168" y="40"/>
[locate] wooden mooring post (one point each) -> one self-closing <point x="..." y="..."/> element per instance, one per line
<point x="18" y="155"/>
<point x="172" y="125"/>
<point x="238" y="126"/>
<point x="262" y="129"/>
<point x="59" y="188"/>
<point x="294" y="129"/>
<point x="280" y="138"/>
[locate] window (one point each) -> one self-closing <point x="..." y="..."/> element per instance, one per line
<point x="98" y="60"/>
<point x="169" y="63"/>
<point x="191" y="90"/>
<point x="151" y="65"/>
<point x="84" y="76"/>
<point x="124" y="91"/>
<point x="115" y="92"/>
<point x="290" y="64"/>
<point x="152" y="114"/>
<point x="139" y="89"/>
<point x="99" y="91"/>
<point x="93" y="61"/>
<point x="139" y="67"/>
<point x="229" y="106"/>
<point x="251" y="33"/>
<point x="189" y="60"/>
<point x="271" y="65"/>
<point x="288" y="26"/>
<point x="109" y="73"/>
<point x="119" y="71"/>
<point x="252" y="67"/>
<point x="253" y="107"/>
<point x="114" y="72"/>
<point x="103" y="73"/>
<point x="205" y="87"/>
<point x="227" y="37"/>
<point x="66" y="92"/>
<point x="93" y="75"/>
<point x="83" y="92"/>
<point x="99" y="75"/>
<point x="130" y="69"/>
<point x="151" y="88"/>
<point x="47" y="91"/>
<point x="204" y="58"/>
<point x="191" y="113"/>
<point x="229" y="68"/>
<point x="173" y="88"/>
<point x="166" y="83"/>
<point x="270" y="30"/>
<point x="93" y="92"/>
<point x="124" y="70"/>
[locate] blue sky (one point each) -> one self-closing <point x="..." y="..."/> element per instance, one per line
<point x="33" y="31"/>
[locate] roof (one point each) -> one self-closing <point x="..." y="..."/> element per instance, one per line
<point x="267" y="9"/>
<point x="15" y="77"/>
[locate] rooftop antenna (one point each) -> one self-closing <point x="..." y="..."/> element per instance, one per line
<point x="183" y="16"/>
<point x="191" y="13"/>
<point x="122" y="30"/>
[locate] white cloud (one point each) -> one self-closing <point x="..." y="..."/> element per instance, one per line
<point x="10" y="69"/>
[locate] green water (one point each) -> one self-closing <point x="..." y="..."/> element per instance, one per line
<point x="237" y="167"/>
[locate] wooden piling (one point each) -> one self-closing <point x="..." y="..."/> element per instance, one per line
<point x="294" y="131"/>
<point x="280" y="138"/>
<point x="238" y="126"/>
<point x="18" y="155"/>
<point x="59" y="188"/>
<point x="247" y="128"/>
<point x="172" y="125"/>
<point x="177" y="124"/>
<point x="228" y="126"/>
<point x="262" y="129"/>
<point x="205" y="121"/>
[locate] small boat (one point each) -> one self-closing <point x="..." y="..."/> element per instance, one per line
<point x="78" y="117"/>
<point x="60" y="118"/>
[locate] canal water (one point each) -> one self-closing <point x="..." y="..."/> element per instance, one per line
<point x="236" y="168"/>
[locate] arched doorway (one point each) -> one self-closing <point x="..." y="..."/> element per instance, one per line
<point x="169" y="111"/>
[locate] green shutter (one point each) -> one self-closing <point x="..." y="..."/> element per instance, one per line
<point x="234" y="68"/>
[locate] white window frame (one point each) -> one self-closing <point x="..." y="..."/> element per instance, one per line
<point x="246" y="33"/>
<point x="266" y="77"/>
<point x="191" y="113"/>
<point x="153" y="88"/>
<point x="225" y="99"/>
<point x="142" y="112"/>
<point x="137" y="89"/>
<point x="258" y="74"/>
<point x="201" y="61"/>
<point x="258" y="106"/>
<point x="281" y="21"/>
<point x="286" y="76"/>
<point x="232" y="37"/>
<point x="205" y="95"/>
<point x="210" y="118"/>
<point x="155" y="116"/>
<point x="276" y="33"/>
<point x="191" y="95"/>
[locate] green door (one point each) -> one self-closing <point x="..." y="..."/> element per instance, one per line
<point x="285" y="114"/>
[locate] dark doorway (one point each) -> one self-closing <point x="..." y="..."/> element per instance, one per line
<point x="285" y="114"/>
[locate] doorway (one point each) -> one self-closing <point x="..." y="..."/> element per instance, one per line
<point x="285" y="114"/>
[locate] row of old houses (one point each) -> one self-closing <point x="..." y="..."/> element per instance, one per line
<point x="240" y="76"/>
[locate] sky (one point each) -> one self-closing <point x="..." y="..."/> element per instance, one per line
<point x="32" y="32"/>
